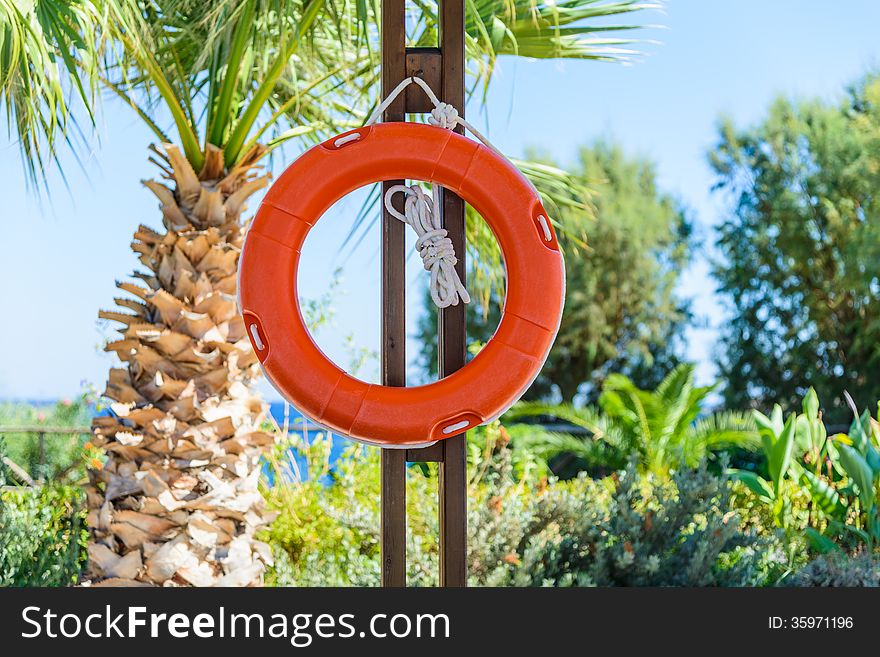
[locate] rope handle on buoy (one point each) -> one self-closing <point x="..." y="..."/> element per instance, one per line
<point x="443" y="115"/>
<point x="433" y="244"/>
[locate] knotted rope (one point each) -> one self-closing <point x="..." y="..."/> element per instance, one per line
<point x="433" y="244"/>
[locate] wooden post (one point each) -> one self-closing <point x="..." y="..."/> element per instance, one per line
<point x="41" y="441"/>
<point x="452" y="331"/>
<point x="393" y="358"/>
<point x="443" y="69"/>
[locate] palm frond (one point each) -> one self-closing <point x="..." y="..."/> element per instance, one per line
<point x="666" y="420"/>
<point x="725" y="429"/>
<point x="551" y="444"/>
<point x="673" y="384"/>
<point x="586" y="418"/>
<point x="633" y="408"/>
<point x="39" y="76"/>
<point x="558" y="189"/>
<point x="596" y="424"/>
<point x="542" y="29"/>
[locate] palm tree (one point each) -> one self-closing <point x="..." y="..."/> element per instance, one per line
<point x="662" y="429"/>
<point x="176" y="501"/>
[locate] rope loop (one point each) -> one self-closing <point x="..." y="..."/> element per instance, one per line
<point x="433" y="244"/>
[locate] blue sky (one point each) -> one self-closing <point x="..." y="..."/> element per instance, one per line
<point x="59" y="260"/>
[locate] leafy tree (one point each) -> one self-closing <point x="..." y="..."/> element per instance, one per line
<point x="801" y="252"/>
<point x="621" y="311"/>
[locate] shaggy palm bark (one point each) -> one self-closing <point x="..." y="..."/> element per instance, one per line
<point x="177" y="502"/>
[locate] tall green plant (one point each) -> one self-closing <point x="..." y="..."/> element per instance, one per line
<point x="777" y="441"/>
<point x="661" y="428"/>
<point x="837" y="476"/>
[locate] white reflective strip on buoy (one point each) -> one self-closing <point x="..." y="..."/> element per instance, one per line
<point x="255" y="334"/>
<point x="455" y="427"/>
<point x="548" y="236"/>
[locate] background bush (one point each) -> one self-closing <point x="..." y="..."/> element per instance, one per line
<point x="42" y="534"/>
<point x="837" y="569"/>
<point x="524" y="529"/>
<point x="62" y="457"/>
<point x="801" y="252"/>
<point x="636" y="530"/>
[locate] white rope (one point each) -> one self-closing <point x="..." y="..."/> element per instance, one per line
<point x="443" y="115"/>
<point x="433" y="243"/>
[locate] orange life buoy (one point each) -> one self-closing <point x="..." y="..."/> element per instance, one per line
<point x="484" y="388"/>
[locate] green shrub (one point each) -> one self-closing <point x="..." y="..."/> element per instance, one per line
<point x="523" y="529"/>
<point x="327" y="530"/>
<point x="838" y="569"/>
<point x="42" y="536"/>
<point x="60" y="457"/>
<point x="758" y="517"/>
<point x="639" y="530"/>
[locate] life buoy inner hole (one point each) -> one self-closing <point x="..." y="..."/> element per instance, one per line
<point x="339" y="287"/>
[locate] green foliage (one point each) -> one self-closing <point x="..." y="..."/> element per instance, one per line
<point x="327" y="531"/>
<point x="60" y="459"/>
<point x="801" y="249"/>
<point x="229" y="73"/>
<point x="638" y="530"/>
<point x="825" y="487"/>
<point x="43" y="58"/>
<point x="621" y="312"/>
<point x="43" y="534"/>
<point x="660" y="429"/>
<point x="838" y="569"/>
<point x="523" y="529"/>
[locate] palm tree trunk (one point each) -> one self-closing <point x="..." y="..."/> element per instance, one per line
<point x="177" y="501"/>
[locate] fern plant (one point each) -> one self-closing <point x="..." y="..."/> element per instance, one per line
<point x="662" y="428"/>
